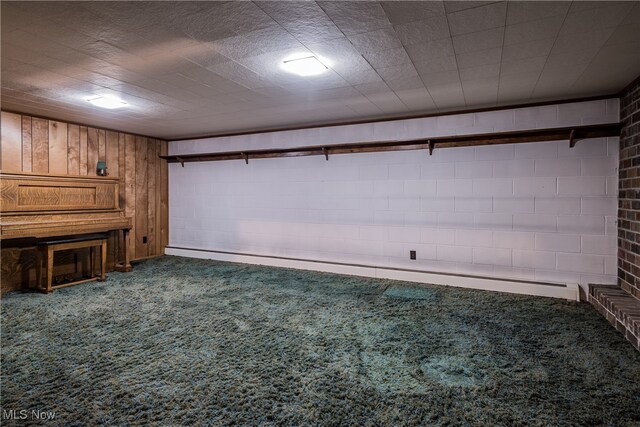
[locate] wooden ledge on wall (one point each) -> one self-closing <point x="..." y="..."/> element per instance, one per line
<point x="572" y="134"/>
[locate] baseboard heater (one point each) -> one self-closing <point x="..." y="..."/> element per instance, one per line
<point x="568" y="291"/>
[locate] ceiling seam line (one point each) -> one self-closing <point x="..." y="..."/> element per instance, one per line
<point x="605" y="43"/>
<point x="504" y="33"/>
<point x="455" y="58"/>
<point x="546" y="61"/>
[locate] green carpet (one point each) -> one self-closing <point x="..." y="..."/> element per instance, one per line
<point x="192" y="342"/>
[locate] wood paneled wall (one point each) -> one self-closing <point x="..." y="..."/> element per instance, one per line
<point x="34" y="144"/>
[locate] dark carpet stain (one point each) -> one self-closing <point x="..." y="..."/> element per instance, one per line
<point x="186" y="342"/>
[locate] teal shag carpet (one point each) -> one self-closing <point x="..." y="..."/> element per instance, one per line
<point x="187" y="342"/>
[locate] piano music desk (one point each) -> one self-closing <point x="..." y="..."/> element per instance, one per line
<point x="62" y="208"/>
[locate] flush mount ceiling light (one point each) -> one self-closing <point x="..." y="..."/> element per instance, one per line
<point x="306" y="66"/>
<point x="109" y="102"/>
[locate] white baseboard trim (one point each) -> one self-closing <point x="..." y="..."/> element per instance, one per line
<point x="568" y="291"/>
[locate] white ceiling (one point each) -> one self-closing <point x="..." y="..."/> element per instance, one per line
<point x="194" y="68"/>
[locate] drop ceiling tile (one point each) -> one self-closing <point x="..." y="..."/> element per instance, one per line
<point x="137" y="91"/>
<point x="400" y="12"/>
<point x="407" y="83"/>
<point x="14" y="17"/>
<point x="201" y="75"/>
<point x="441" y="78"/>
<point x="345" y="60"/>
<point x="533" y="30"/>
<point x="455" y="6"/>
<point x="581" y="41"/>
<point x="27" y="39"/>
<point x="434" y="28"/>
<point x="511" y="82"/>
<point x="203" y="55"/>
<point x="416" y="99"/>
<point x="154" y="66"/>
<point x="525" y="11"/>
<point x="634" y="15"/>
<point x="567" y="59"/>
<point x="374" y="41"/>
<point x="562" y="71"/>
<point x="593" y="19"/>
<point x="306" y="21"/>
<point x="624" y="58"/>
<point x="9" y="64"/>
<point x="397" y="72"/>
<point x="240" y="75"/>
<point x="478" y="41"/>
<point x="362" y="106"/>
<point x="257" y="42"/>
<point x="356" y="17"/>
<point x="447" y="96"/>
<point x="373" y="88"/>
<point x="27" y="56"/>
<point x="44" y="9"/>
<point x="424" y="52"/>
<point x="624" y="34"/>
<point x="341" y="93"/>
<point x="176" y="80"/>
<point x="578" y="6"/>
<point x="447" y="63"/>
<point x="114" y="55"/>
<point x="387" y="58"/>
<point x="532" y="49"/>
<point x="481" y="91"/>
<point x="480" y="73"/>
<point x="477" y="19"/>
<point x="523" y="66"/>
<point x="388" y="102"/>
<point x="216" y="20"/>
<point x="481" y="57"/>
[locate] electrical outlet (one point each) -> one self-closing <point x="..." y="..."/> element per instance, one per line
<point x="412" y="254"/>
<point x="144" y="239"/>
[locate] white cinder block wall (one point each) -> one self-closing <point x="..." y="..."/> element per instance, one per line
<point x="538" y="211"/>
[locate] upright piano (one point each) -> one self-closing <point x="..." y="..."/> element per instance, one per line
<point x="37" y="206"/>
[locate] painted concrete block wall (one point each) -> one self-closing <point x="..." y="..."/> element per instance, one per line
<point x="539" y="211"/>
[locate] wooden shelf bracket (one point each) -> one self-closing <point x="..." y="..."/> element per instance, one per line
<point x="572" y="138"/>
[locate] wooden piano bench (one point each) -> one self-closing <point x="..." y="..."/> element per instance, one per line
<point x="46" y="250"/>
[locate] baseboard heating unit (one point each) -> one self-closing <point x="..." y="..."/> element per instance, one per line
<point x="568" y="291"/>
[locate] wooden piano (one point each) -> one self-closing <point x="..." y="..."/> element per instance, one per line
<point x="35" y="206"/>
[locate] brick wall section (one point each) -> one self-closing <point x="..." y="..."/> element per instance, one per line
<point x="619" y="308"/>
<point x="629" y="193"/>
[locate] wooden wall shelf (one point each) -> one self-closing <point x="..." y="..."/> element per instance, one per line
<point x="571" y="134"/>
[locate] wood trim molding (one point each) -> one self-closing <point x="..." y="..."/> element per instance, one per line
<point x="47" y="176"/>
<point x="572" y="134"/>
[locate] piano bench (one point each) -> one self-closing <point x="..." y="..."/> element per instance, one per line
<point x="46" y="250"/>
